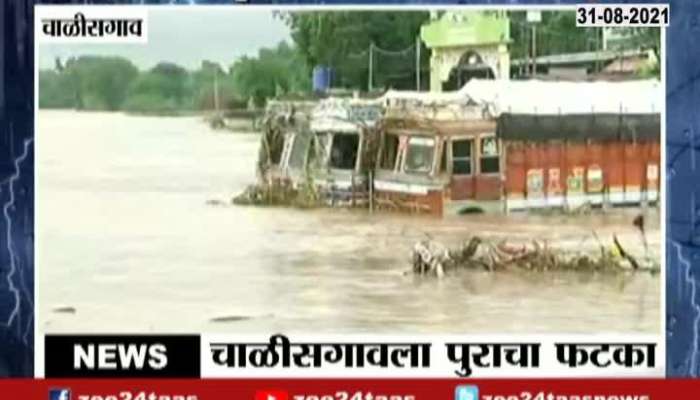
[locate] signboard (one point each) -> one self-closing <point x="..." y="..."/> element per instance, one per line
<point x="574" y="182"/>
<point x="554" y="181"/>
<point x="534" y="17"/>
<point x="595" y="179"/>
<point x="652" y="172"/>
<point x="535" y="182"/>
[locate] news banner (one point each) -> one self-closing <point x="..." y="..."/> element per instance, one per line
<point x="195" y="356"/>
<point x="224" y="199"/>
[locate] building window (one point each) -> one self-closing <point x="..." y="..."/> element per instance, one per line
<point x="419" y="155"/>
<point x="389" y="152"/>
<point x="489" y="162"/>
<point x="462" y="156"/>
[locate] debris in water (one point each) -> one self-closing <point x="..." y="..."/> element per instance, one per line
<point x="432" y="258"/>
<point x="217" y="203"/>
<point x="64" y="310"/>
<point x="235" y="318"/>
<point x="232" y="318"/>
<point x="639" y="223"/>
<point x="279" y="193"/>
<point x="624" y="254"/>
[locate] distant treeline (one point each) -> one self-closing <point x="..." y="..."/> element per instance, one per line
<point x="116" y="84"/>
<point x="339" y="39"/>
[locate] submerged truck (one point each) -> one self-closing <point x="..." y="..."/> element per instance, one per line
<point x="437" y="150"/>
<point x="327" y="147"/>
<point x="520" y="145"/>
<point x="492" y="146"/>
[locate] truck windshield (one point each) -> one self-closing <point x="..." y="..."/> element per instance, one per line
<point x="344" y="150"/>
<point x="419" y="155"/>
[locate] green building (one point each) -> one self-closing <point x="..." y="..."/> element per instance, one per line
<point x="466" y="44"/>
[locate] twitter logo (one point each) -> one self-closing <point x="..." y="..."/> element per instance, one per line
<point x="467" y="392"/>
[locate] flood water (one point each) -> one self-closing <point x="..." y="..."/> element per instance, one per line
<point x="126" y="242"/>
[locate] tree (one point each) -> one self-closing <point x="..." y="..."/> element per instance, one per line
<point x="172" y="80"/>
<point x="647" y="38"/>
<point x="210" y="77"/>
<point x="557" y="33"/>
<point x="274" y="71"/>
<point x="163" y="88"/>
<point x="100" y="83"/>
<point x="55" y="90"/>
<point x="341" y="40"/>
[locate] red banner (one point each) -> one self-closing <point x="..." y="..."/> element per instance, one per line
<point x="339" y="389"/>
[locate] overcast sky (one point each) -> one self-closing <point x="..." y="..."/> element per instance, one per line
<point x="188" y="36"/>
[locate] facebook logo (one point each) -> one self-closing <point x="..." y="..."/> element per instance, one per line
<point x="467" y="392"/>
<point x="59" y="394"/>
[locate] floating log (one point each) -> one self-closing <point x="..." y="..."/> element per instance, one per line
<point x="624" y="254"/>
<point x="64" y="310"/>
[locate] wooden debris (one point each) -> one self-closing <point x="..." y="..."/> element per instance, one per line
<point x="64" y="310"/>
<point x="279" y="193"/>
<point x="639" y="223"/>
<point x="236" y="318"/>
<point x="624" y="254"/>
<point x="230" y="318"/>
<point x="433" y="258"/>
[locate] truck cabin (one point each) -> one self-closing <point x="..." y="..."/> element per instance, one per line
<point x="437" y="152"/>
<point x="296" y="147"/>
<point x="283" y="143"/>
<point x="342" y="137"/>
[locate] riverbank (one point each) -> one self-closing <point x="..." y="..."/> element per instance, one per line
<point x="158" y="113"/>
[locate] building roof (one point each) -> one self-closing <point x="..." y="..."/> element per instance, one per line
<point x="587" y="57"/>
<point x="539" y="97"/>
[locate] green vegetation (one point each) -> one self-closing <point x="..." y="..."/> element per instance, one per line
<point x="556" y="34"/>
<point x="114" y="83"/>
<point x="340" y="40"/>
<point x="57" y="90"/>
<point x="273" y="72"/>
<point x="97" y="83"/>
<point x="161" y="89"/>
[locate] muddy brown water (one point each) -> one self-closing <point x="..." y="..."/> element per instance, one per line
<point x="126" y="240"/>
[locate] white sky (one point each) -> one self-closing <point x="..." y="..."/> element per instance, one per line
<point x="187" y="37"/>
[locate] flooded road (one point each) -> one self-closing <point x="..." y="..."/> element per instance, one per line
<point x="126" y="242"/>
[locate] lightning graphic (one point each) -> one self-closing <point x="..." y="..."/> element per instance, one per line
<point x="14" y="290"/>
<point x="688" y="279"/>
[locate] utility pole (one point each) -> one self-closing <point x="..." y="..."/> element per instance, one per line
<point x="533" y="17"/>
<point x="418" y="63"/>
<point x="216" y="90"/>
<point x="534" y="51"/>
<point x="369" y="81"/>
<point x="598" y="47"/>
<point x="605" y="39"/>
